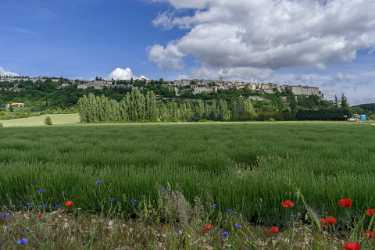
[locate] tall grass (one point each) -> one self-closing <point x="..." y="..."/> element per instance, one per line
<point x="247" y="168"/>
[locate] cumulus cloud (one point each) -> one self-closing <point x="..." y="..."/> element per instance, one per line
<point x="269" y="33"/>
<point x="124" y="74"/>
<point x="256" y="40"/>
<point x="166" y="57"/>
<point x="245" y="73"/>
<point x="4" y="72"/>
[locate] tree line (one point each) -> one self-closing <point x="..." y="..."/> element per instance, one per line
<point x="144" y="107"/>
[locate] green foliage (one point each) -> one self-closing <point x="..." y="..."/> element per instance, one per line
<point x="243" y="110"/>
<point x="138" y="107"/>
<point x="345" y="105"/>
<point x="322" y="115"/>
<point x="368" y="107"/>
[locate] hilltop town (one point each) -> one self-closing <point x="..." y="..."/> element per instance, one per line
<point x="195" y="86"/>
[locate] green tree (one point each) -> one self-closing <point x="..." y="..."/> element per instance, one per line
<point x="151" y="107"/>
<point x="243" y="110"/>
<point x="224" y="113"/>
<point x="345" y="104"/>
<point x="199" y="110"/>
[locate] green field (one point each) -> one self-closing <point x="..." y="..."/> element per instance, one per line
<point x="248" y="167"/>
<point x="35" y="121"/>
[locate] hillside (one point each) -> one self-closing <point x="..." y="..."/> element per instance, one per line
<point x="269" y="101"/>
<point x="370" y="107"/>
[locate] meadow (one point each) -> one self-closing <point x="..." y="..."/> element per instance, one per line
<point x="246" y="168"/>
<point x="35" y="121"/>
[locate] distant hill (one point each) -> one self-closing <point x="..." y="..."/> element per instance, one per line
<point x="367" y="107"/>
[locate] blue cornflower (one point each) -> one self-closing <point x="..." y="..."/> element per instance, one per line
<point x="99" y="182"/>
<point x="22" y="241"/>
<point x="5" y="216"/>
<point x="237" y="225"/>
<point x="224" y="234"/>
<point x="41" y="190"/>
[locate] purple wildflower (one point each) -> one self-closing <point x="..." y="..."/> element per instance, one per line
<point x="237" y="225"/>
<point x="22" y="241"/>
<point x="224" y="235"/>
<point x="5" y="216"/>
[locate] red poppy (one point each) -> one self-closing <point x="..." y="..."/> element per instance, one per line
<point x="370" y="212"/>
<point x="370" y="234"/>
<point x="274" y="230"/>
<point x="287" y="204"/>
<point x="39" y="216"/>
<point x="328" y="221"/>
<point x="352" y="246"/>
<point x="207" y="228"/>
<point x="69" y="204"/>
<point x="345" y="203"/>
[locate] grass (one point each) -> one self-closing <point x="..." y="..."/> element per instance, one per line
<point x="246" y="167"/>
<point x="34" y="121"/>
<point x="173" y="223"/>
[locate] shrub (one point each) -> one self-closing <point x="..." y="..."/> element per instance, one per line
<point x="48" y="121"/>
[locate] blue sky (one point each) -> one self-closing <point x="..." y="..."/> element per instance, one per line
<point x="329" y="44"/>
<point x="79" y="38"/>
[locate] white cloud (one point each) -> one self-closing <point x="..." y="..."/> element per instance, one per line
<point x="245" y="73"/>
<point x="4" y="72"/>
<point x="254" y="39"/>
<point x="186" y="4"/>
<point x="166" y="57"/>
<point x="124" y="74"/>
<point x="269" y="33"/>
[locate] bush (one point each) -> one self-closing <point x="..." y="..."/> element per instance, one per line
<point x="48" y="121"/>
<point x="322" y="115"/>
